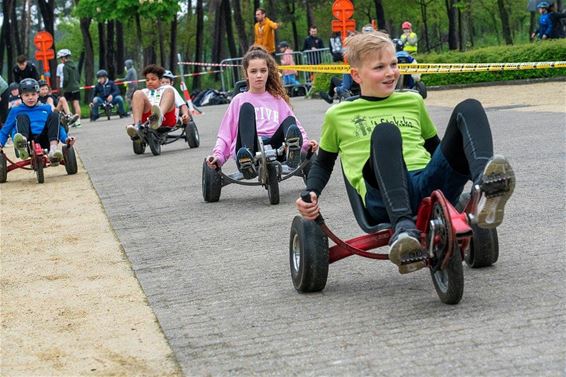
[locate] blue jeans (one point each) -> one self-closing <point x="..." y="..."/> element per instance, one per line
<point x="346" y="84"/>
<point x="290" y="80"/>
<point x="437" y="175"/>
<point x="99" y="101"/>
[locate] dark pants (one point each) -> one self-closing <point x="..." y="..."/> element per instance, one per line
<point x="393" y="193"/>
<point x="49" y="133"/>
<point x="247" y="132"/>
<point x="4" y="107"/>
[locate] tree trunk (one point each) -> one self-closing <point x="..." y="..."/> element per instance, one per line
<point x="380" y="14"/>
<point x="240" y="27"/>
<point x="310" y="15"/>
<point x="173" y="46"/>
<point x="505" y="26"/>
<point x="47" y="10"/>
<point x="424" y="5"/>
<point x="110" y="53"/>
<point x="139" y="36"/>
<point x="27" y="26"/>
<point x="470" y="23"/>
<point x="219" y="31"/>
<point x="101" y="45"/>
<point x="89" y="54"/>
<point x="199" y="41"/>
<point x="452" y="24"/>
<point x="7" y="40"/>
<point x="17" y="31"/>
<point x="120" y="51"/>
<point x="161" y="40"/>
<point x="227" y="10"/>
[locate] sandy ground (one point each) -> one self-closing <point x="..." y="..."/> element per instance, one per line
<point x="70" y="304"/>
<point x="548" y="96"/>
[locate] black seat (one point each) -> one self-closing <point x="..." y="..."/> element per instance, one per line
<point x="360" y="212"/>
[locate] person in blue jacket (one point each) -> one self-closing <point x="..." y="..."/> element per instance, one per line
<point x="544" y="30"/>
<point x="34" y="121"/>
<point x="106" y="91"/>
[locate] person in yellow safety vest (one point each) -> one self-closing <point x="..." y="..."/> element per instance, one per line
<point x="409" y="38"/>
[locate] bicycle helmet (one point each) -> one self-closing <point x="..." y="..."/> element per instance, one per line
<point x="398" y="44"/>
<point x="63" y="52"/>
<point x="168" y="74"/>
<point x="543" y="4"/>
<point x="101" y="73"/>
<point x="406" y="25"/>
<point x="13" y="86"/>
<point x="29" y="85"/>
<point x="42" y="83"/>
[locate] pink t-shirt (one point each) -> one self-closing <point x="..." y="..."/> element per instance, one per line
<point x="270" y="112"/>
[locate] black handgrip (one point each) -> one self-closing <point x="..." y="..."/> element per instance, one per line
<point x="310" y="152"/>
<point x="306" y="196"/>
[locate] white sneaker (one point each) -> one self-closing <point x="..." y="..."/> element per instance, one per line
<point x="132" y="131"/>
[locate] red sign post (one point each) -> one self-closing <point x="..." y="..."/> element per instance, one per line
<point x="43" y="41"/>
<point x="343" y="10"/>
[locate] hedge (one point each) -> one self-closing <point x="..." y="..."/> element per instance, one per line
<point x="552" y="50"/>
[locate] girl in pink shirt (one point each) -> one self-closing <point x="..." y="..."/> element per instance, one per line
<point x="263" y="111"/>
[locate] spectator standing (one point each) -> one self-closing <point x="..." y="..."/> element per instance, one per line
<point x="409" y="38"/>
<point x="24" y="69"/>
<point x="289" y="76"/>
<point x="4" y="95"/>
<point x="557" y="20"/>
<point x="131" y="79"/>
<point x="71" y="83"/>
<point x="59" y="73"/>
<point x="336" y="48"/>
<point x="544" y="30"/>
<point x="313" y="42"/>
<point x="264" y="31"/>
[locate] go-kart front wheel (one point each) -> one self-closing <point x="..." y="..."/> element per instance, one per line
<point x="273" y="183"/>
<point x="211" y="183"/>
<point x="449" y="282"/>
<point x="3" y="168"/>
<point x="38" y="167"/>
<point x="308" y="256"/>
<point x="421" y="88"/>
<point x="191" y="135"/>
<point x="70" y="159"/>
<point x="139" y="146"/>
<point x="154" y="142"/>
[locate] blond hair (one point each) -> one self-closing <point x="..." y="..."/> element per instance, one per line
<point x="360" y="45"/>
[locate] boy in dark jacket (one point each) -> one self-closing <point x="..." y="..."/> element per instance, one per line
<point x="71" y="82"/>
<point x="106" y="92"/>
<point x="24" y="69"/>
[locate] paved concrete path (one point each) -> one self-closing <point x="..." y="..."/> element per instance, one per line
<point x="217" y="275"/>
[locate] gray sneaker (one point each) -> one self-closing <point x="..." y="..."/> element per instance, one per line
<point x="155" y="119"/>
<point x="55" y="156"/>
<point x="21" y="146"/>
<point x="496" y="186"/>
<point x="406" y="250"/>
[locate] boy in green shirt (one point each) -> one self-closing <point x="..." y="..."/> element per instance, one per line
<point x="392" y="156"/>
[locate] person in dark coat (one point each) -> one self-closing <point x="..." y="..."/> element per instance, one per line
<point x="24" y="69"/>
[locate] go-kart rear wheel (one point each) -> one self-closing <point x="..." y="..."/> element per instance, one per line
<point x="191" y="135"/>
<point x="154" y="143"/>
<point x="273" y="183"/>
<point x="70" y="159"/>
<point x="139" y="146"/>
<point x="3" y="168"/>
<point x="38" y="167"/>
<point x="484" y="248"/>
<point x="211" y="183"/>
<point x="421" y="88"/>
<point x="308" y="256"/>
<point x="449" y="282"/>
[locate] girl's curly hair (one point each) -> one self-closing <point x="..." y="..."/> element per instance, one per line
<point x="273" y="86"/>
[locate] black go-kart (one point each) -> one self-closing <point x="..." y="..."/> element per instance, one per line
<point x="271" y="171"/>
<point x="166" y="135"/>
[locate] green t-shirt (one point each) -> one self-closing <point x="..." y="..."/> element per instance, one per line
<point x="348" y="126"/>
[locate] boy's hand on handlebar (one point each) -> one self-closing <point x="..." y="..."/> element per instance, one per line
<point x="70" y="140"/>
<point x="212" y="162"/>
<point x="313" y="144"/>
<point x="185" y="118"/>
<point x="309" y="211"/>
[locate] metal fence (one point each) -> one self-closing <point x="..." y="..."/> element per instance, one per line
<point x="231" y="75"/>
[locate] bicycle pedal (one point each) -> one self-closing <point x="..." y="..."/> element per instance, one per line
<point x="496" y="185"/>
<point x="412" y="267"/>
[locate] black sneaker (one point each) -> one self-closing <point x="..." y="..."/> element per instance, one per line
<point x="246" y="164"/>
<point x="326" y="97"/>
<point x="294" y="142"/>
<point x="406" y="250"/>
<point x="496" y="186"/>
